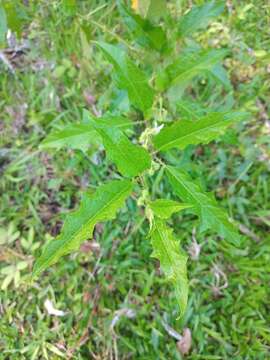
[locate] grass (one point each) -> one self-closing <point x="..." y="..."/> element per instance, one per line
<point x="58" y="76"/>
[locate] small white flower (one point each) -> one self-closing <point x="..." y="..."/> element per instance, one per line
<point x="157" y="129"/>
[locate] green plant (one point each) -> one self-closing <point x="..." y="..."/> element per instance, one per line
<point x="141" y="149"/>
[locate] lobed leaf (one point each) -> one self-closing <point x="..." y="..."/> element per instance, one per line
<point x="186" y="132"/>
<point x="130" y="159"/>
<point x="109" y="119"/>
<point x="191" y="110"/>
<point x="118" y="121"/>
<point x="164" y="208"/>
<point x="199" y="16"/>
<point x="189" y="65"/>
<point x="144" y="32"/>
<point x="205" y="205"/>
<point x="172" y="260"/>
<point x="77" y="136"/>
<point x="129" y="77"/>
<point x="79" y="225"/>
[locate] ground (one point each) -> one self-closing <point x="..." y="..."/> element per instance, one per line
<point x="116" y="304"/>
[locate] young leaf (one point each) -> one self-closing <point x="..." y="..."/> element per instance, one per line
<point x="129" y="158"/>
<point x="172" y="260"/>
<point x="77" y="136"/>
<point x="79" y="225"/>
<point x="144" y="32"/>
<point x="189" y="65"/>
<point x="186" y="132"/>
<point x="129" y="77"/>
<point x="164" y="208"/>
<point x="205" y="205"/>
<point x="199" y="16"/>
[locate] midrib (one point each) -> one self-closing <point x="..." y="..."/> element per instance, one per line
<point x="184" y="186"/>
<point x="165" y="249"/>
<point x="190" y="134"/>
<point x="88" y="223"/>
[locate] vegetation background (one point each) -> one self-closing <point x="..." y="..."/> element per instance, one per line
<point x="108" y="301"/>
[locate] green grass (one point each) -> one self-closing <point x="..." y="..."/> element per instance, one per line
<point x="228" y="311"/>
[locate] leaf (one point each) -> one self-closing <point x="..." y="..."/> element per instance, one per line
<point x="79" y="225"/>
<point x="3" y="24"/>
<point x="53" y="349"/>
<point x="129" y="77"/>
<point x="172" y="260"/>
<point x="135" y="4"/>
<point x="144" y="32"/>
<point x="157" y="9"/>
<point x="80" y="136"/>
<point x="186" y="132"/>
<point x="184" y="344"/>
<point x="164" y="208"/>
<point x="129" y="158"/>
<point x="152" y="9"/>
<point x="69" y="7"/>
<point x="120" y="122"/>
<point x="205" y="205"/>
<point x="199" y="17"/>
<point x="52" y="310"/>
<point x="108" y="119"/>
<point x="220" y="74"/>
<point x="189" y="65"/>
<point x="141" y="7"/>
<point x="16" y="15"/>
<point x="188" y="109"/>
<point x="77" y="136"/>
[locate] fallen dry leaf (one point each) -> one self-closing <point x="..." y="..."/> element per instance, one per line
<point x="90" y="246"/>
<point x="129" y="313"/>
<point x="135" y="5"/>
<point x="171" y="331"/>
<point x="184" y="344"/>
<point x="51" y="309"/>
